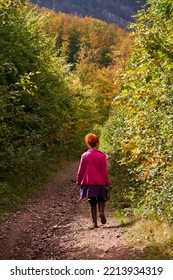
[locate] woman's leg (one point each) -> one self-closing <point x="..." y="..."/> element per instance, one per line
<point x="101" y="206"/>
<point x="93" y="203"/>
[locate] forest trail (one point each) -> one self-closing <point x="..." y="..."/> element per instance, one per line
<point x="55" y="225"/>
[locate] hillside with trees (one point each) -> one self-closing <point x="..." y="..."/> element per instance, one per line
<point x="94" y="50"/>
<point x="111" y="11"/>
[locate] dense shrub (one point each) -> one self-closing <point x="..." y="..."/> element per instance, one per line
<point x="37" y="106"/>
<point x="146" y="95"/>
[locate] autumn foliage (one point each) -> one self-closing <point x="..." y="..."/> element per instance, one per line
<point x="140" y="129"/>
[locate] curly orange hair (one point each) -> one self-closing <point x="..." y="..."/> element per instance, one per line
<point x="91" y="140"/>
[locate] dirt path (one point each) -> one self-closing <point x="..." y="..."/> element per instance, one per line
<point x="55" y="225"/>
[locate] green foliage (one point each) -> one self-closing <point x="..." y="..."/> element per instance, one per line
<point x="9" y="199"/>
<point x="146" y="95"/>
<point x="38" y="108"/>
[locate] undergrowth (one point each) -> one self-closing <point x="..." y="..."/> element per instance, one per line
<point x="153" y="238"/>
<point x="18" y="189"/>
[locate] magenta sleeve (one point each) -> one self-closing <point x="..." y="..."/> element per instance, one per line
<point x="105" y="172"/>
<point x="80" y="172"/>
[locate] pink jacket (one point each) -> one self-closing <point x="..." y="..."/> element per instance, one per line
<point x="93" y="169"/>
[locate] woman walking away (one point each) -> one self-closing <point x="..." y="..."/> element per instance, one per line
<point x="93" y="178"/>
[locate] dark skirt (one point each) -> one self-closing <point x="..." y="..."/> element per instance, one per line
<point x="93" y="191"/>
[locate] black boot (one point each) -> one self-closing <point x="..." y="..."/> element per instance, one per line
<point x="94" y="216"/>
<point x="101" y="205"/>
